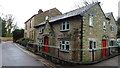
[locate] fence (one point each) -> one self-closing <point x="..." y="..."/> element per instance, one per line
<point x="91" y="55"/>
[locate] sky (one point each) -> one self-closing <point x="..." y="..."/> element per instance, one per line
<point x="22" y="10"/>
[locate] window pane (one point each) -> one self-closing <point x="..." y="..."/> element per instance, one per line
<point x="91" y="21"/>
<point x="67" y="47"/>
<point x="94" y="44"/>
<point x="63" y="26"/>
<point x="67" y="42"/>
<point x="67" y="26"/>
<point x="112" y="43"/>
<point x="63" y="47"/>
<point x="90" y="44"/>
<point x="110" y="28"/>
<point x="42" y="30"/>
<point x="104" y="25"/>
<point x="63" y="42"/>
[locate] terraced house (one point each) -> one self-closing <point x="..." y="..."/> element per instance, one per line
<point x="30" y="31"/>
<point x="84" y="34"/>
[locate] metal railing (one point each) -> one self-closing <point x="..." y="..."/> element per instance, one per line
<point x="89" y="55"/>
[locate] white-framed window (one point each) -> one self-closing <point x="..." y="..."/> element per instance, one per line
<point x="65" y="26"/>
<point x="92" y="44"/>
<point x="64" y="45"/>
<point x="104" y="25"/>
<point x="91" y="20"/>
<point x="41" y="29"/>
<point x="112" y="29"/>
<point x="40" y="43"/>
<point x="112" y="42"/>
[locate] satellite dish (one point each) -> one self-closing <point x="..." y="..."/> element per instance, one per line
<point x="46" y="18"/>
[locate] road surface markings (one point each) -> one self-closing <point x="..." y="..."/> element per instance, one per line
<point x="41" y="60"/>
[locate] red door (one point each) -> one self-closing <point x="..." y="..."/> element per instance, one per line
<point x="104" y="49"/>
<point x="46" y="44"/>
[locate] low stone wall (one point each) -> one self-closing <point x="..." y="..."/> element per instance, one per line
<point x="6" y="38"/>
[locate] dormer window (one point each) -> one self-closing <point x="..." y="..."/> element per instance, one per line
<point x="91" y="20"/>
<point x="112" y="29"/>
<point x="65" y="26"/>
<point x="104" y="25"/>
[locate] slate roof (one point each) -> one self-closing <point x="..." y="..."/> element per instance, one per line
<point x="40" y="17"/>
<point x="79" y="11"/>
<point x="50" y="13"/>
<point x="108" y="15"/>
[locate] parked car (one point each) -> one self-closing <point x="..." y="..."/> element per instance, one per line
<point x="118" y="42"/>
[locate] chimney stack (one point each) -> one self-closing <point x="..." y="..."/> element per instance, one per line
<point x="40" y="11"/>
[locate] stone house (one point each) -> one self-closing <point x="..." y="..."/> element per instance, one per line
<point x="84" y="34"/>
<point x="30" y="31"/>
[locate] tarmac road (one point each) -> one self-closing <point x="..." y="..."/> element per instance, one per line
<point x="13" y="56"/>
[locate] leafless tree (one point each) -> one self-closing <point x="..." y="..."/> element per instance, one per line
<point x="85" y="3"/>
<point x="9" y="23"/>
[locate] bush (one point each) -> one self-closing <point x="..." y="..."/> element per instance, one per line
<point x="24" y="41"/>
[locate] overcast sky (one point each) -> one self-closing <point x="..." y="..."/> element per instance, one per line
<point x="22" y="10"/>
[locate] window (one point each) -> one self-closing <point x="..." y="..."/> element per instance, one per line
<point x="64" y="45"/>
<point x="91" y="20"/>
<point x="32" y="34"/>
<point x="65" y="26"/>
<point x="41" y="29"/>
<point x="30" y="23"/>
<point x="112" y="42"/>
<point x="112" y="28"/>
<point x="104" y="25"/>
<point x="92" y="44"/>
<point x="40" y="43"/>
<point x="26" y="26"/>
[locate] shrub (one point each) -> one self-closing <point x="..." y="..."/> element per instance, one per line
<point x="24" y="41"/>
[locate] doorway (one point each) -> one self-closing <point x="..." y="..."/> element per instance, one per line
<point x="45" y="48"/>
<point x="103" y="48"/>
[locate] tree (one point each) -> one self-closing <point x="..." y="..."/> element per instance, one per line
<point x="9" y="24"/>
<point x="17" y="34"/>
<point x="85" y="3"/>
<point x="4" y="31"/>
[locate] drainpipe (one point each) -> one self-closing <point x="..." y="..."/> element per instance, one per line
<point x="81" y="52"/>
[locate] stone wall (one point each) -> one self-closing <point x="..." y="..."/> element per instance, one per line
<point x="7" y="38"/>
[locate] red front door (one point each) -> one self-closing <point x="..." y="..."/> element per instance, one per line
<point x="104" y="49"/>
<point x="46" y="44"/>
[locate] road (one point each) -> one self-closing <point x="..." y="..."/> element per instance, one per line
<point x="0" y="55"/>
<point x="110" y="62"/>
<point x="13" y="56"/>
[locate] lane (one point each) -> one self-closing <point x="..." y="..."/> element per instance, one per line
<point x="13" y="56"/>
<point x="0" y="55"/>
<point x="110" y="62"/>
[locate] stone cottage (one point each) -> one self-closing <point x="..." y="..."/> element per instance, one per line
<point x="84" y="34"/>
<point x="30" y="31"/>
